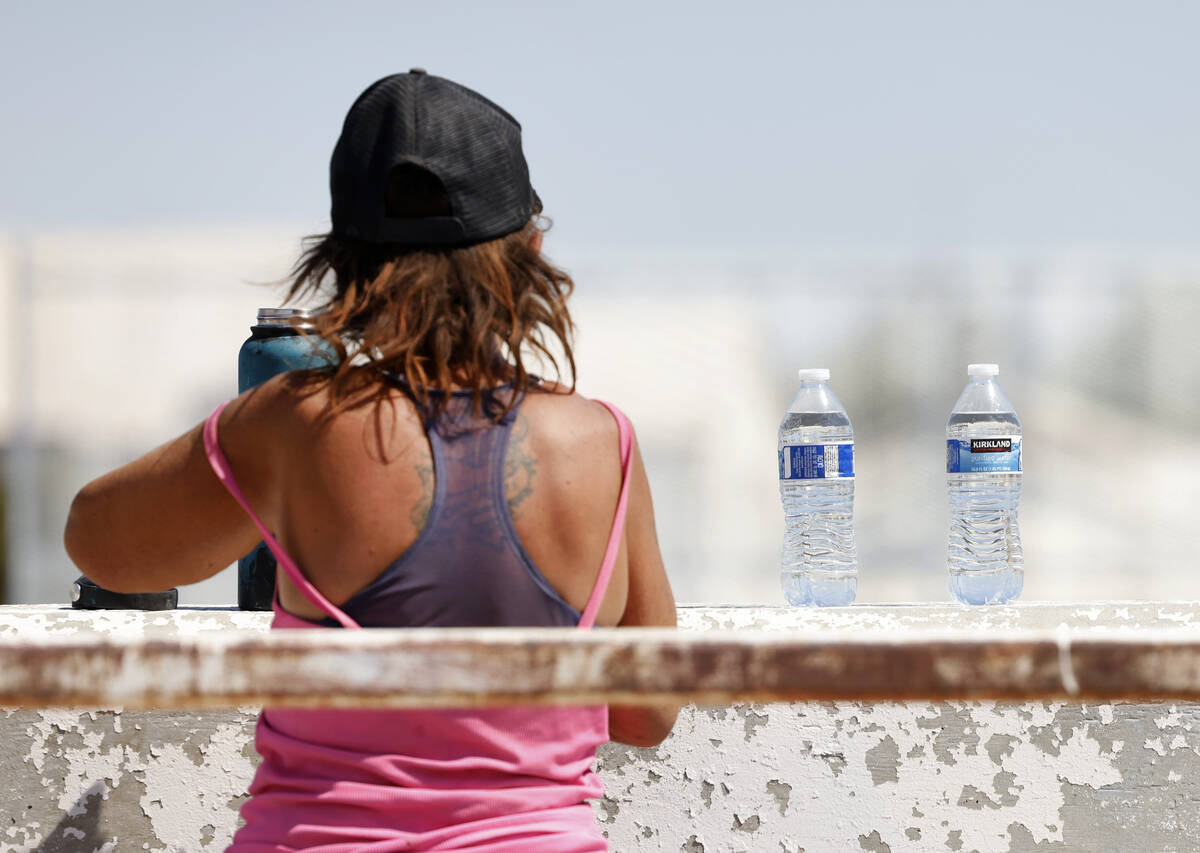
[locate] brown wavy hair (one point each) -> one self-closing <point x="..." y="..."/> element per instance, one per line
<point x="436" y="318"/>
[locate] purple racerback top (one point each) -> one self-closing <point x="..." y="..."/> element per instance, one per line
<point x="485" y="780"/>
<point x="468" y="543"/>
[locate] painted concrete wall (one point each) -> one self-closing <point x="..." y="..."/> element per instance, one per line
<point x="800" y="777"/>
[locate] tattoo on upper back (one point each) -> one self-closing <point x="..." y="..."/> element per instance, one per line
<point x="519" y="467"/>
<point x="420" y="510"/>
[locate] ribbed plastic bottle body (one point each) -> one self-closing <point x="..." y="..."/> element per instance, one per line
<point x="819" y="563"/>
<point x="983" y="483"/>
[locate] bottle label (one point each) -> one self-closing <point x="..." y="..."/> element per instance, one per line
<point x="995" y="455"/>
<point x="817" y="461"/>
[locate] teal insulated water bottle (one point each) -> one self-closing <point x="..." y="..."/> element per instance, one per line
<point x="277" y="344"/>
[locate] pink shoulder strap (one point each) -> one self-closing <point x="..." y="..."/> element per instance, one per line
<point x="221" y="467"/>
<point x="588" y="619"/>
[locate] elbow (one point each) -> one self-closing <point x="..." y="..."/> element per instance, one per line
<point x="75" y="533"/>
<point x="641" y="726"/>
<point x="83" y="543"/>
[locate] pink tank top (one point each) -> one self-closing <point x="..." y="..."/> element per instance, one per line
<point x="378" y="781"/>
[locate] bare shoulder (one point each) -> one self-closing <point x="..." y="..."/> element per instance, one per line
<point x="293" y="401"/>
<point x="276" y="407"/>
<point x="570" y="418"/>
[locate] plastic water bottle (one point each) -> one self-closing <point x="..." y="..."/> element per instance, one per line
<point x="275" y="345"/>
<point x="983" y="480"/>
<point x="816" y="483"/>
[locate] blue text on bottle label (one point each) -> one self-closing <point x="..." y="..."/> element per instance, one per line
<point x="817" y="462"/>
<point x="994" y="455"/>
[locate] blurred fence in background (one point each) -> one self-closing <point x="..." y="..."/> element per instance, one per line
<point x="116" y="341"/>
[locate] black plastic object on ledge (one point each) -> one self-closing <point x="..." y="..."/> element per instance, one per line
<point x="86" y="595"/>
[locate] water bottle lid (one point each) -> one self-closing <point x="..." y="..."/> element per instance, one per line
<point x="983" y="371"/>
<point x="814" y="374"/>
<point x="298" y="317"/>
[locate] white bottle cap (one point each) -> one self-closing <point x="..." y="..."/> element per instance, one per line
<point x="814" y="374"/>
<point x="985" y="371"/>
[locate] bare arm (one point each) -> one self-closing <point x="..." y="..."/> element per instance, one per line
<point x="165" y="519"/>
<point x="650" y="603"/>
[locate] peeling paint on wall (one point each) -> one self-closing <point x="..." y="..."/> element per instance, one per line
<point x="899" y="775"/>
<point x="148" y="780"/>
<point x="802" y="777"/>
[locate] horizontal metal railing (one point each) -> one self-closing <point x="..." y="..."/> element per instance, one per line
<point x="411" y="668"/>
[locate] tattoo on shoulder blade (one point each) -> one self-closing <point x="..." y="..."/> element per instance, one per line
<point x="519" y="467"/>
<point x="420" y="510"/>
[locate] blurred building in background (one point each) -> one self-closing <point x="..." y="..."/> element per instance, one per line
<point x="118" y="340"/>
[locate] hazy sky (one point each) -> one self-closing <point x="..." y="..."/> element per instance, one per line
<point x="687" y="125"/>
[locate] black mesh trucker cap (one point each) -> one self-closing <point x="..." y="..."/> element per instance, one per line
<point x="444" y="135"/>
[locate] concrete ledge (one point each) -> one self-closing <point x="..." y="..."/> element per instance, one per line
<point x="451" y="668"/>
<point x="840" y="776"/>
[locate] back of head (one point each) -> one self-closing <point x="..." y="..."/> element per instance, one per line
<point x="432" y="269"/>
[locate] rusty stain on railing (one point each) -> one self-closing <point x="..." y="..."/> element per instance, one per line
<point x="410" y="668"/>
